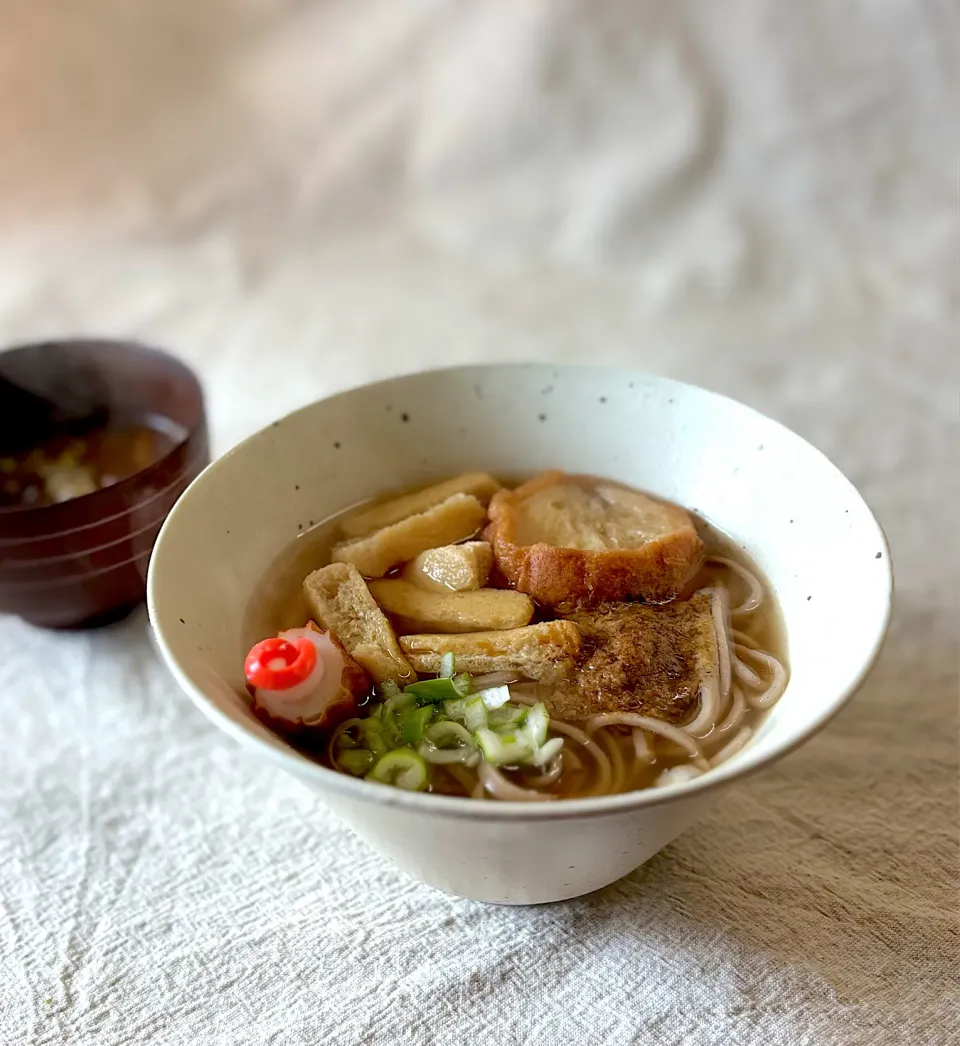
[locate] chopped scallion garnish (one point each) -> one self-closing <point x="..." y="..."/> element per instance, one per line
<point x="372" y="736"/>
<point x="506" y="716"/>
<point x="356" y="761"/>
<point x="538" y="720"/>
<point x="436" y="689"/>
<point x="504" y="749"/>
<point x="494" y="696"/>
<point x="443" y="721"/>
<point x="403" y="768"/>
<point x="414" y="722"/>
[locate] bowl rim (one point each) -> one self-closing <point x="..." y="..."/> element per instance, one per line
<point x="129" y="484"/>
<point x="623" y="803"/>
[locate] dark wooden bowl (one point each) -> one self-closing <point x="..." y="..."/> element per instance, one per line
<point x="83" y="562"/>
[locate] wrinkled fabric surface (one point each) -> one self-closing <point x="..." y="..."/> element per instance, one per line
<point x="300" y="196"/>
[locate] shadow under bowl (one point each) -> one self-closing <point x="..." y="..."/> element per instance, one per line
<point x="83" y="562"/>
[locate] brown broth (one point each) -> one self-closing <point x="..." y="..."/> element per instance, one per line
<point x="278" y="603"/>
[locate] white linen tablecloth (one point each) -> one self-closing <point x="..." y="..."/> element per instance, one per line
<point x="296" y="197"/>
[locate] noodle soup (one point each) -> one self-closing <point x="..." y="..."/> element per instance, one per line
<point x="567" y="638"/>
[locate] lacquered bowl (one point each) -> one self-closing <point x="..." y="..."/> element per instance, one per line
<point x="83" y="562"/>
<point x="793" y="512"/>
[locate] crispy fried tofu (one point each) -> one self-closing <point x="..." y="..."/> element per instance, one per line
<point x="366" y="520"/>
<point x="342" y="603"/>
<point x="637" y="658"/>
<point x="451" y="568"/>
<point x="577" y="541"/>
<point x="460" y="516"/>
<point x="543" y="652"/>
<point x="416" y="610"/>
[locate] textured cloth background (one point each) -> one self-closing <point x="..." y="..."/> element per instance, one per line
<point x="297" y="196"/>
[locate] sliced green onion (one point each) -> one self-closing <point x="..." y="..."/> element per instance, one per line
<point x="445" y="756"/>
<point x="546" y="752"/>
<point x="507" y="716"/>
<point x="397" y="704"/>
<point x="449" y="742"/>
<point x="346" y="739"/>
<point x="356" y="761"/>
<point x="448" y="734"/>
<point x="455" y="709"/>
<point x="436" y="690"/>
<point x="475" y="714"/>
<point x="390" y="716"/>
<point x="483" y="724"/>
<point x="470" y="711"/>
<point x="372" y="737"/>
<point x="504" y="749"/>
<point x="414" y="722"/>
<point x="495" y="696"/>
<point x="403" y="768"/>
<point x="538" y="719"/>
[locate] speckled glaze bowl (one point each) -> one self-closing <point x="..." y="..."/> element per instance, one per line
<point x="798" y="518"/>
<point x="83" y="562"/>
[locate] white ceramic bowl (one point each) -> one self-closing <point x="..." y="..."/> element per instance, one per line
<point x="797" y="516"/>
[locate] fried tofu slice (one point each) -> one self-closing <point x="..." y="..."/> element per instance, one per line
<point x="342" y="603"/>
<point x="451" y="568"/>
<point x="647" y="659"/>
<point x="544" y="652"/>
<point x="366" y="520"/>
<point x="416" y="610"/>
<point x="458" y="517"/>
<point x="577" y="541"/>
